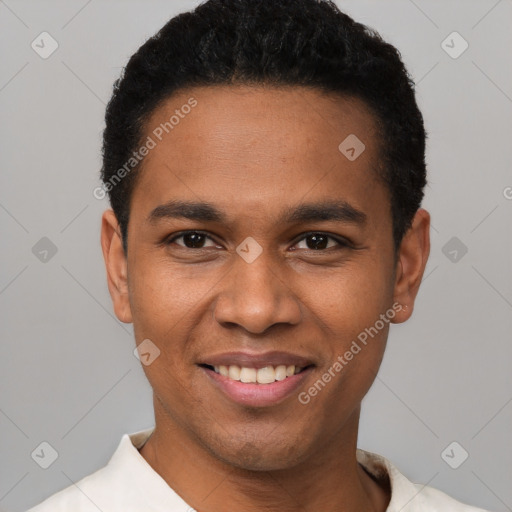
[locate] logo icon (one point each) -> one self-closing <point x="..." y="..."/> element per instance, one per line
<point x="44" y="45"/>
<point x="44" y="250"/>
<point x="454" y="249"/>
<point x="45" y="455"/>
<point x="249" y="249"/>
<point x="454" y="455"/>
<point x="352" y="147"/>
<point x="454" y="45"/>
<point x="146" y="352"/>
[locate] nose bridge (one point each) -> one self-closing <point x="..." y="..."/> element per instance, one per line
<point x="258" y="279"/>
<point x="254" y="295"/>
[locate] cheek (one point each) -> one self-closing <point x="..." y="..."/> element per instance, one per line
<point x="351" y="299"/>
<point x="159" y="311"/>
<point x="349" y="308"/>
<point x="355" y="357"/>
<point x="162" y="296"/>
<point x="167" y="306"/>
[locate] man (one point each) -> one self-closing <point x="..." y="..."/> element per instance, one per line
<point x="265" y="165"/>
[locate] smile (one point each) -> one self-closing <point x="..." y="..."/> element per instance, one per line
<point x="266" y="375"/>
<point x="252" y="393"/>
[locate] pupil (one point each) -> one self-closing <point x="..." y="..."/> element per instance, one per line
<point x="317" y="241"/>
<point x="195" y="240"/>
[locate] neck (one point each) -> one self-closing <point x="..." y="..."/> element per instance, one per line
<point x="329" y="480"/>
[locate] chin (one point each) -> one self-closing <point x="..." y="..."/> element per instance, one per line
<point x="251" y="459"/>
<point x="265" y="454"/>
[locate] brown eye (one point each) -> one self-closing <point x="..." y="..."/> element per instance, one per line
<point x="320" y="241"/>
<point x="192" y="240"/>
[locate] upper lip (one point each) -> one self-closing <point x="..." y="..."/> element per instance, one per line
<point x="257" y="360"/>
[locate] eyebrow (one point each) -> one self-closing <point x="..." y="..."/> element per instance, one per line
<point x="340" y="211"/>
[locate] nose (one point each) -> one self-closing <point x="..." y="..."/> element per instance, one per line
<point x="256" y="296"/>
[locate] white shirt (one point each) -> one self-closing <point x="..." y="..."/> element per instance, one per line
<point x="129" y="484"/>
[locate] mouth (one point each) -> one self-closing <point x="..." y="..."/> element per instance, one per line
<point x="248" y="375"/>
<point x="256" y="380"/>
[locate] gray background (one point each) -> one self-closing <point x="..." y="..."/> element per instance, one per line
<point x="68" y="374"/>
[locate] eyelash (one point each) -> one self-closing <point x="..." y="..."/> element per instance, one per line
<point x="342" y="243"/>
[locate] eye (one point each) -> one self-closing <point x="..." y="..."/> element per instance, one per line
<point x="321" y="241"/>
<point x="192" y="240"/>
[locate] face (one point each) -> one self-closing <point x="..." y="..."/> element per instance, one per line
<point x="255" y="243"/>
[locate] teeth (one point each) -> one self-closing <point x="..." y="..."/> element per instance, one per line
<point x="281" y="372"/>
<point x="248" y="374"/>
<point x="234" y="372"/>
<point x="265" y="375"/>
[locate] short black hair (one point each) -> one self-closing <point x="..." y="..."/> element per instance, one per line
<point x="306" y="43"/>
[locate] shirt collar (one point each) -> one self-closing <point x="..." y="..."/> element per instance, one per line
<point x="139" y="476"/>
<point x="159" y="496"/>
<point x="403" y="491"/>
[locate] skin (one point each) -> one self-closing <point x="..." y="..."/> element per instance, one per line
<point x="251" y="152"/>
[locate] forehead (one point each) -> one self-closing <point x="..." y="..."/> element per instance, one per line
<point x="297" y="116"/>
<point x="259" y="145"/>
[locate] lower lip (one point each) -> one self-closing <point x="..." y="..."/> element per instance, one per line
<point x="257" y="395"/>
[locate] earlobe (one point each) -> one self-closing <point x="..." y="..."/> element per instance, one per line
<point x="412" y="260"/>
<point x="116" y="265"/>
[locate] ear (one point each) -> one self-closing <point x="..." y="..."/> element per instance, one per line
<point x="116" y="265"/>
<point x="410" y="266"/>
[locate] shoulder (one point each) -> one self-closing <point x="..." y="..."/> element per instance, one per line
<point x="77" y="497"/>
<point x="407" y="496"/>
<point x="429" y="498"/>
<point x="119" y="485"/>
